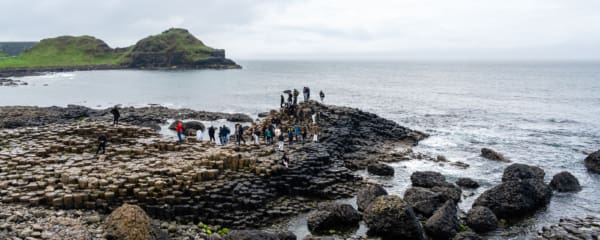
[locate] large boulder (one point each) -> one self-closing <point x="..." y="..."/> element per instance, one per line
<point x="518" y="171"/>
<point x="482" y="219"/>
<point x="188" y="125"/>
<point x="592" y="162"/>
<point x="428" y="179"/>
<point x="444" y="222"/>
<point x="493" y="155"/>
<point x="130" y="222"/>
<point x="258" y="235"/>
<point x="515" y="198"/>
<point x="423" y="200"/>
<point x="380" y="169"/>
<point x="467" y="236"/>
<point x="565" y="182"/>
<point x="367" y="194"/>
<point x="333" y="216"/>
<point x="467" y="183"/>
<point x="390" y="217"/>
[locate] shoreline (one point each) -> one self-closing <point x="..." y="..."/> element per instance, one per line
<point x="36" y="71"/>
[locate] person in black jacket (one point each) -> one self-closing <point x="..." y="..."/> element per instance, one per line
<point x="211" y="133"/>
<point x="116" y="115"/>
<point x="282" y="101"/>
<point x="102" y="143"/>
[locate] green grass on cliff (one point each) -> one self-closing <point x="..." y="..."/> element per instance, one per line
<point x="172" y="41"/>
<point x="65" y="51"/>
<point x="68" y="51"/>
<point x="3" y="54"/>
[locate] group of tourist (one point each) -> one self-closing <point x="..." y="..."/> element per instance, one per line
<point x="300" y="124"/>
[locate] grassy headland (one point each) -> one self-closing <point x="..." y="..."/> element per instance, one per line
<point x="170" y="49"/>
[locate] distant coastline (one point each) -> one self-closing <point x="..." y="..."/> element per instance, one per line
<point x="172" y="49"/>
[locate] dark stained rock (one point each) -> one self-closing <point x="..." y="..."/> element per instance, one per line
<point x="333" y="216"/>
<point x="518" y="171"/>
<point x="493" y="155"/>
<point x="482" y="219"/>
<point x="449" y="192"/>
<point x="380" y="169"/>
<point x="565" y="182"/>
<point x="311" y="237"/>
<point x="257" y="235"/>
<point x="444" y="222"/>
<point x="592" y="162"/>
<point x="515" y="198"/>
<point x="467" y="183"/>
<point x="390" y="217"/>
<point x="130" y="222"/>
<point x="427" y="179"/>
<point x="367" y="194"/>
<point x="423" y="200"/>
<point x="467" y="236"/>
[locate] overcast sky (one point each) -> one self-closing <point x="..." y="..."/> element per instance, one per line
<point x="323" y="29"/>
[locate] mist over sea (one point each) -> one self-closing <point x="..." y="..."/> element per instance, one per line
<point x="540" y="113"/>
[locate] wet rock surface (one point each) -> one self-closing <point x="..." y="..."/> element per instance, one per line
<point x="444" y="222"/>
<point x="427" y="179"/>
<point x="25" y="116"/>
<point x="368" y="194"/>
<point x="380" y="169"/>
<point x="572" y="228"/>
<point x="592" y="162"/>
<point x="333" y="216"/>
<point x="5" y="82"/>
<point x="390" y="217"/>
<point x="565" y="182"/>
<point x="467" y="183"/>
<point x="482" y="219"/>
<point x="515" y="198"/>
<point x="493" y="155"/>
<point x="467" y="236"/>
<point x="258" y="235"/>
<point x="518" y="171"/>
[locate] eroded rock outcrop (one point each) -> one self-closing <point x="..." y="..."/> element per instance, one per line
<point x="368" y="194"/>
<point x="493" y="155"/>
<point x="515" y="198"/>
<point x="592" y="162"/>
<point x="565" y="182"/>
<point x="482" y="219"/>
<point x="333" y="216"/>
<point x="518" y="171"/>
<point x="392" y="218"/>
<point x="444" y="222"/>
<point x="380" y="169"/>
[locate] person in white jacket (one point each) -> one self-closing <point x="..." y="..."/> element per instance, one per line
<point x="199" y="135"/>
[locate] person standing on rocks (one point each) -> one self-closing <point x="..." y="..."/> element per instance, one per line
<point x="306" y="92"/>
<point x="315" y="133"/>
<point x="281" y="142"/>
<point x="285" y="160"/>
<point x="296" y="94"/>
<point x="179" y="130"/>
<point x="102" y="143"/>
<point x="199" y="135"/>
<point x="304" y="134"/>
<point x="116" y="115"/>
<point x="255" y="134"/>
<point x="290" y="133"/>
<point x="211" y="134"/>
<point x="269" y="136"/>
<point x="322" y="95"/>
<point x="227" y="133"/>
<point x="297" y="132"/>
<point x="282" y="101"/>
<point x="290" y="98"/>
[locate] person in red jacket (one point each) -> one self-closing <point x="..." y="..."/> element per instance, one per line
<point x="179" y="130"/>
